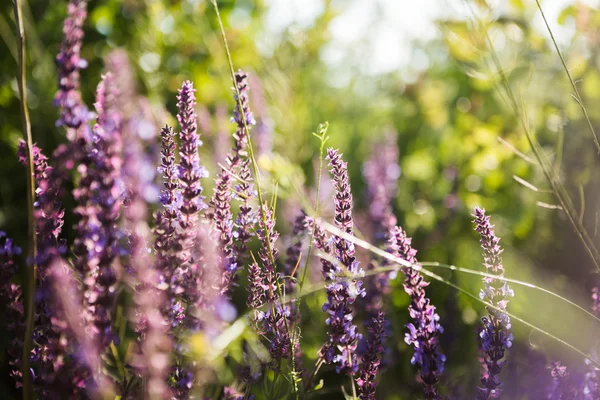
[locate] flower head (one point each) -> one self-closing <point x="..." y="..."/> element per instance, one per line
<point x="495" y="336"/>
<point x="424" y="330"/>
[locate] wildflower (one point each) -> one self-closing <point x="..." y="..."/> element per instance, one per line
<point x="423" y="332"/>
<point x="562" y="387"/>
<point x="100" y="205"/>
<point x="189" y="173"/>
<point x="371" y="359"/>
<point x="495" y="336"/>
<point x="343" y="287"/>
<point x="10" y="294"/>
<point x="381" y="172"/>
<point x="74" y="114"/>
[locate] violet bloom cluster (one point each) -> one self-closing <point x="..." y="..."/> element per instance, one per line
<point x="10" y="294"/>
<point x="276" y="318"/>
<point x="105" y="199"/>
<point x="495" y="335"/>
<point x="381" y="172"/>
<point x="343" y="286"/>
<point x="371" y="358"/>
<point x="562" y="387"/>
<point x="423" y="333"/>
<point x="294" y="252"/>
<point x="190" y="172"/>
<point x="244" y="120"/>
<point x="8" y="267"/>
<point x="167" y="244"/>
<point x="234" y="241"/>
<point x="74" y="114"/>
<point x="48" y="211"/>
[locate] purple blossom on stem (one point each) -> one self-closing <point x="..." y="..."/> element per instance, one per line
<point x="167" y="244"/>
<point x="74" y="114"/>
<point x="323" y="243"/>
<point x="102" y="206"/>
<point x="294" y="251"/>
<point x="190" y="170"/>
<point x="58" y="371"/>
<point x="343" y="286"/>
<point x="495" y="334"/>
<point x="190" y="173"/>
<point x="10" y="294"/>
<point x="381" y="172"/>
<point x="562" y="387"/>
<point x="371" y="358"/>
<point x="8" y="267"/>
<point x="423" y="332"/>
<point x="276" y="319"/>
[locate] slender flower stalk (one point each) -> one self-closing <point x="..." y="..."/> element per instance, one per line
<point x="74" y="114"/>
<point x="423" y="333"/>
<point x="495" y="335"/>
<point x="380" y="172"/>
<point x="168" y="244"/>
<point x="102" y="204"/>
<point x="371" y="358"/>
<point x="190" y="172"/>
<point x="343" y="286"/>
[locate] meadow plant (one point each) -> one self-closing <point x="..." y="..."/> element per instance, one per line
<point x="159" y="291"/>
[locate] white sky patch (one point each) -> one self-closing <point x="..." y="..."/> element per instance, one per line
<point x="377" y="36"/>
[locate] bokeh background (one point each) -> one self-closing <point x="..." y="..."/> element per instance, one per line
<point x="419" y="72"/>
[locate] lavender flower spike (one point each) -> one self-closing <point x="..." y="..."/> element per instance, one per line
<point x="340" y="349"/>
<point x="424" y="330"/>
<point x="371" y="359"/>
<point x="190" y="170"/>
<point x="106" y="199"/>
<point x="495" y="334"/>
<point x="74" y="114"/>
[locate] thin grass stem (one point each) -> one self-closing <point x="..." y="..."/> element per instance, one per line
<point x="32" y="245"/>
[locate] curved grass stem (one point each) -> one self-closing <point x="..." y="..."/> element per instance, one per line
<point x="259" y="195"/>
<point x="573" y="85"/>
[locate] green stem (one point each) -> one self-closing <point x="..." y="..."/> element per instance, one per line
<point x="32" y="250"/>
<point x="256" y="173"/>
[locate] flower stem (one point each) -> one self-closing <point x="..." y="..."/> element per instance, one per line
<point x="256" y="177"/>
<point x="32" y="246"/>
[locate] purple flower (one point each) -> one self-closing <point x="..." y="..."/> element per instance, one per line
<point x="190" y="170"/>
<point x="371" y="358"/>
<point x="74" y="114"/>
<point x="343" y="286"/>
<point x="323" y="243"/>
<point x="8" y="268"/>
<point x="343" y="209"/>
<point x="423" y="332"/>
<point x="562" y="387"/>
<point x="294" y="251"/>
<point x="277" y="318"/>
<point x="52" y="338"/>
<point x="167" y="243"/>
<point x="10" y="294"/>
<point x="495" y="336"/>
<point x="381" y="172"/>
<point x="100" y="200"/>
<point x="230" y="393"/>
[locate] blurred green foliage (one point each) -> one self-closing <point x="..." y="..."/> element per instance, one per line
<point x="448" y="121"/>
